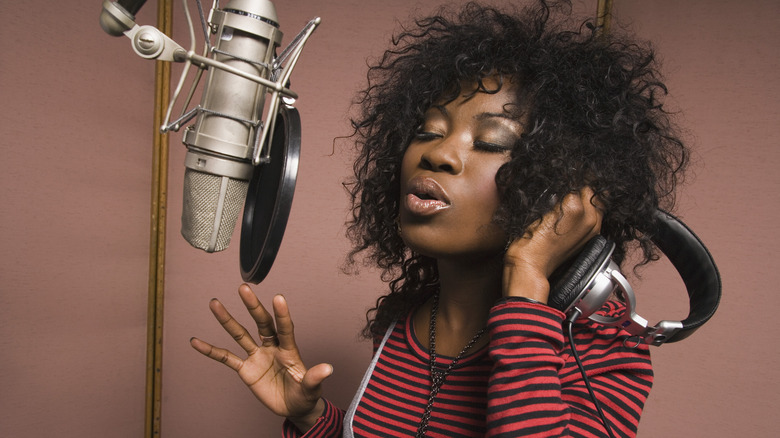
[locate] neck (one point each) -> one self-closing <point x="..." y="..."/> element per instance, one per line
<point x="467" y="292"/>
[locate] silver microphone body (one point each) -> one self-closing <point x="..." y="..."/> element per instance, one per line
<point x="222" y="141"/>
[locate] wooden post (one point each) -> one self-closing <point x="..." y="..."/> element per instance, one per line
<point x="158" y="215"/>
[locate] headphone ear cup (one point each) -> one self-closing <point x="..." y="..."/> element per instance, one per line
<point x="569" y="281"/>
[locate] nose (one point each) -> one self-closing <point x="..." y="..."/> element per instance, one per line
<point x="444" y="155"/>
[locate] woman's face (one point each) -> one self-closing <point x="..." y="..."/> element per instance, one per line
<point x="448" y="186"/>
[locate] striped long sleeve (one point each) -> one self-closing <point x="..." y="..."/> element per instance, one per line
<point x="536" y="389"/>
<point x="328" y="425"/>
<point x="524" y="383"/>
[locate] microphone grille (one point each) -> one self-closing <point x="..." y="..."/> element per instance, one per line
<point x="210" y="209"/>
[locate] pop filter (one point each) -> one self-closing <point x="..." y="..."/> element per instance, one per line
<point x="269" y="198"/>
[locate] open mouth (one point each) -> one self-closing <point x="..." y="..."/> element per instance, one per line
<point x="425" y="196"/>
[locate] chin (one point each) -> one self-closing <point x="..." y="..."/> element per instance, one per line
<point x="451" y="249"/>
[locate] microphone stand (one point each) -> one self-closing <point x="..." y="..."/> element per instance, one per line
<point x="150" y="42"/>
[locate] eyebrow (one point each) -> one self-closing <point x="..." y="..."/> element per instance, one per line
<point x="484" y="116"/>
<point x="441" y="109"/>
<point x="481" y="116"/>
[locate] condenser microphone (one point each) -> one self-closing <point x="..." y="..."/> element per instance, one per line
<point x="234" y="157"/>
<point x="221" y="143"/>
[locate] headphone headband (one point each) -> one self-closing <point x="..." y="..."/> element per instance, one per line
<point x="697" y="268"/>
<point x="582" y="286"/>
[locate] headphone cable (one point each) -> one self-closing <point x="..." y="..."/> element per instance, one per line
<point x="569" y="324"/>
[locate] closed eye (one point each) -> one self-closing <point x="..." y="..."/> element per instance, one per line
<point x="491" y="147"/>
<point x="426" y="136"/>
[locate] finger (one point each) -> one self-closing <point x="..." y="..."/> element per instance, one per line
<point x="234" y="329"/>
<point x="592" y="210"/>
<point x="218" y="354"/>
<point x="592" y="198"/>
<point x="314" y="377"/>
<point x="284" y="325"/>
<point x="558" y="220"/>
<point x="581" y="220"/>
<point x="580" y="213"/>
<point x="263" y="319"/>
<point x="573" y="205"/>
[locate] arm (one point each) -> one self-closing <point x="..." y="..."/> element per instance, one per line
<point x="273" y="370"/>
<point x="328" y="425"/>
<point x="331" y="423"/>
<point x="535" y="388"/>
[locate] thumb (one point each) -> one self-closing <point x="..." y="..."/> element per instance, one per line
<point x="315" y="376"/>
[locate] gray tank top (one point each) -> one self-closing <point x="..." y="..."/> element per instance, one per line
<point x="350" y="414"/>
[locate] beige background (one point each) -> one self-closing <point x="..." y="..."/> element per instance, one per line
<point x="75" y="132"/>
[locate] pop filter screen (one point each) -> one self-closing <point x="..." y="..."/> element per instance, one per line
<point x="269" y="198"/>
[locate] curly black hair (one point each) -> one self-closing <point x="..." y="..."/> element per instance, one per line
<point x="593" y="116"/>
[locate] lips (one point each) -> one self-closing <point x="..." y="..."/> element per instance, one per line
<point x="424" y="196"/>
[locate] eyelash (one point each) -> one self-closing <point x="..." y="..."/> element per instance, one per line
<point x="490" y="147"/>
<point x="478" y="145"/>
<point x="425" y="136"/>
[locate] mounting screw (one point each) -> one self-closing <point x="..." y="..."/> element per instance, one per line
<point x="147" y="42"/>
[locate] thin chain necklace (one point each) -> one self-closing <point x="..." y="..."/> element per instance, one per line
<point x="437" y="375"/>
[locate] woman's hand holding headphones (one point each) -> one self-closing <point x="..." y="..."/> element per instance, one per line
<point x="559" y="235"/>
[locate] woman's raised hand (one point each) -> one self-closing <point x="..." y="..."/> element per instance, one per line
<point x="272" y="370"/>
<point x="531" y="259"/>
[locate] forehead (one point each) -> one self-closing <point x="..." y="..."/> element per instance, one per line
<point x="491" y="94"/>
<point x="488" y="100"/>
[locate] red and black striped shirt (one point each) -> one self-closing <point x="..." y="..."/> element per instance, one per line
<point x="524" y="383"/>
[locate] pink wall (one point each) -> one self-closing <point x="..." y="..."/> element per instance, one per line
<point x="76" y="133"/>
<point x="722" y="61"/>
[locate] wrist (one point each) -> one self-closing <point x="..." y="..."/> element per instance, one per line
<point x="515" y="299"/>
<point x="526" y="283"/>
<point x="307" y="421"/>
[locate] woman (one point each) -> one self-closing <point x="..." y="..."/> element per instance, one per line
<point x="492" y="147"/>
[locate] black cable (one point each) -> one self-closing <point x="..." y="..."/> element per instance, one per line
<point x="569" y="324"/>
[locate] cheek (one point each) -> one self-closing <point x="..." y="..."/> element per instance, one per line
<point x="487" y="201"/>
<point x="408" y="162"/>
<point x="486" y="190"/>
